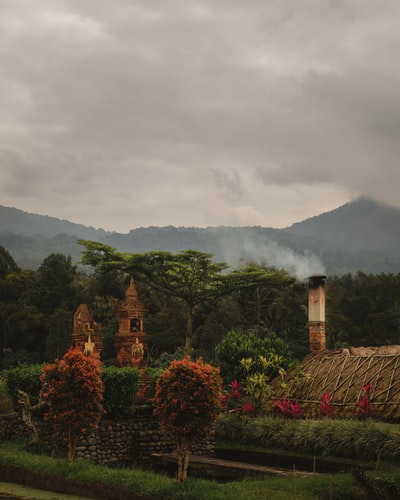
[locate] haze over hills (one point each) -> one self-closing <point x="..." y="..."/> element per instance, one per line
<point x="359" y="236"/>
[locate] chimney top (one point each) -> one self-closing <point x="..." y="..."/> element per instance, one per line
<point x="316" y="279"/>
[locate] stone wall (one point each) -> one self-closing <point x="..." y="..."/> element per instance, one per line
<point x="12" y="428"/>
<point x="115" y="442"/>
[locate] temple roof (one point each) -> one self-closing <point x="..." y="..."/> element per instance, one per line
<point x="132" y="304"/>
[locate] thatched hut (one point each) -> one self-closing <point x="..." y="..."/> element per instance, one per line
<point x="356" y="381"/>
<point x="344" y="375"/>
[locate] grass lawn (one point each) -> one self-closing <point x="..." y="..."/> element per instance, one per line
<point x="130" y="483"/>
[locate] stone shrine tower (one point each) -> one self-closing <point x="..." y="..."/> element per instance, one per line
<point x="86" y="333"/>
<point x="130" y="340"/>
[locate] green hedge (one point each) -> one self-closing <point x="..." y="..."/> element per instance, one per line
<point x="353" y="439"/>
<point x="24" y="378"/>
<point x="120" y="388"/>
<point x="153" y="374"/>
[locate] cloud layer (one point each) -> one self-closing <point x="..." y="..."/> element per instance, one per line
<point x="134" y="113"/>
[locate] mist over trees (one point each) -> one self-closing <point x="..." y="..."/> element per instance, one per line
<point x="37" y="307"/>
<point x="359" y="236"/>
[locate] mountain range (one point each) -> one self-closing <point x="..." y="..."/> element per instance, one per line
<point x="361" y="235"/>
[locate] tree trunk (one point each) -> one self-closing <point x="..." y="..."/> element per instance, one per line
<point x="183" y="460"/>
<point x="71" y="447"/>
<point x="189" y="333"/>
<point x="180" y="462"/>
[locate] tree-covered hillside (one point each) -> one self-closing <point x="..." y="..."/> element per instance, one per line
<point x="359" y="236"/>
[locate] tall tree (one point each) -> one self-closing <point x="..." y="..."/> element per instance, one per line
<point x="54" y="286"/>
<point x="190" y="276"/>
<point x="7" y="263"/>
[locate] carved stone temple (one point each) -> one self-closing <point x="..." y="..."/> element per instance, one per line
<point x="86" y="333"/>
<point x="131" y="340"/>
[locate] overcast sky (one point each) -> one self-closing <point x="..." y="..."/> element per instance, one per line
<point x="123" y="114"/>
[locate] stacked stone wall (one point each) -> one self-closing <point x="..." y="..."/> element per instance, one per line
<point x="116" y="442"/>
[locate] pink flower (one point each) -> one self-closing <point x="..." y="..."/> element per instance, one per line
<point x="295" y="410"/>
<point x="235" y="390"/>
<point x="248" y="409"/>
<point x="325" y="405"/>
<point x="283" y="406"/>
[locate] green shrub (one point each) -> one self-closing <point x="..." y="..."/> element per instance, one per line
<point x="238" y="345"/>
<point x="120" y="388"/>
<point x="153" y="374"/>
<point x="5" y="401"/>
<point x="24" y="378"/>
<point x="350" y="439"/>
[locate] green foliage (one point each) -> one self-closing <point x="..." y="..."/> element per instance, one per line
<point x="72" y="391"/>
<point x="238" y="345"/>
<point x="350" y="439"/>
<point x="363" y="310"/>
<point x="7" y="263"/>
<point x="190" y="276"/>
<point x="257" y="388"/>
<point x="103" y="310"/>
<point x="25" y="378"/>
<point x="154" y="374"/>
<point x="120" y="388"/>
<point x="23" y="335"/>
<point x="376" y="487"/>
<point x="54" y="286"/>
<point x="58" y="340"/>
<point x="5" y="400"/>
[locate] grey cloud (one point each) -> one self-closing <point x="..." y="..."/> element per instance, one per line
<point x="240" y="104"/>
<point x="228" y="184"/>
<point x="286" y="175"/>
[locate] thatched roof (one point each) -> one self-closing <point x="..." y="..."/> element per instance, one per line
<point x="343" y="373"/>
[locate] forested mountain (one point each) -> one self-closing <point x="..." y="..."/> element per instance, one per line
<point x="359" y="236"/>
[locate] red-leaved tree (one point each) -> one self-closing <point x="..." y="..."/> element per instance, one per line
<point x="72" y="391"/>
<point x="187" y="401"/>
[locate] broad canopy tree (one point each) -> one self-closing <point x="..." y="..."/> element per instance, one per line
<point x="190" y="275"/>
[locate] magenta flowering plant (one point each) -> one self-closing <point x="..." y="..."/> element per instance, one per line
<point x="289" y="409"/>
<point x="231" y="396"/>
<point x="283" y="406"/>
<point x="325" y="405"/>
<point x="364" y="404"/>
<point x="295" y="410"/>
<point x="248" y="409"/>
<point x="234" y="390"/>
<point x="232" y="400"/>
